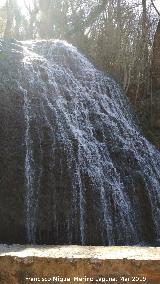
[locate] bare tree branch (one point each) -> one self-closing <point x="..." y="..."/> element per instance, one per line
<point x="95" y="13"/>
<point x="152" y="2"/>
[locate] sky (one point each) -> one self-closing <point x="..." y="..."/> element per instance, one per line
<point x="21" y="3"/>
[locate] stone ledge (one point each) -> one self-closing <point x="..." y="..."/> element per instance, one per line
<point x="39" y="264"/>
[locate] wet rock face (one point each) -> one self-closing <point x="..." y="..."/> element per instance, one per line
<point x="74" y="168"/>
<point x="12" y="152"/>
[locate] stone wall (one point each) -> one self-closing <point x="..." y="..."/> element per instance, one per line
<point x="74" y="264"/>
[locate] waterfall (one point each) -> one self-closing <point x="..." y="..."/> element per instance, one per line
<point x="90" y="177"/>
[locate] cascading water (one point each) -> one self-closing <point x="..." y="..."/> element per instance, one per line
<point x="77" y="169"/>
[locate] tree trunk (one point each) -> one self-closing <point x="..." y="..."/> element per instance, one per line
<point x="145" y="49"/>
<point x="156" y="60"/>
<point x="10" y="16"/>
